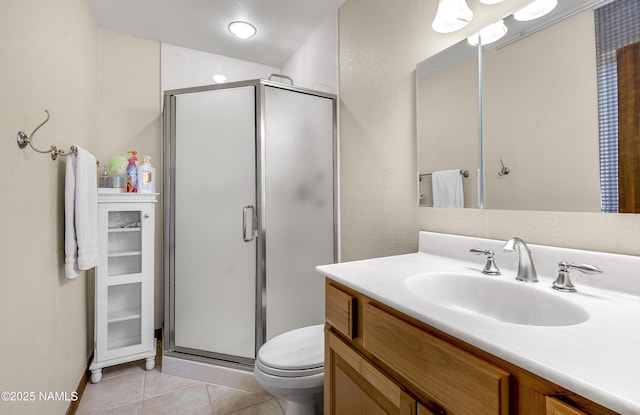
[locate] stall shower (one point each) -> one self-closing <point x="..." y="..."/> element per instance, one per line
<point x="250" y="188"/>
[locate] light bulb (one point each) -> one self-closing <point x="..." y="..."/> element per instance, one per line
<point x="452" y="15"/>
<point x="489" y="34"/>
<point x="242" y="30"/>
<point x="219" y="78"/>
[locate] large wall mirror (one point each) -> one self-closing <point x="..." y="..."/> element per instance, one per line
<point x="521" y="116"/>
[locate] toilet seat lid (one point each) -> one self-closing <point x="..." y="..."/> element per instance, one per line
<point x="295" y="350"/>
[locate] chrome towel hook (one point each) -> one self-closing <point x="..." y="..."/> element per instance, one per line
<point x="504" y="170"/>
<point x="24" y="139"/>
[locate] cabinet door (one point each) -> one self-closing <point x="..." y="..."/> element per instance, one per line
<point x="124" y="280"/>
<point x="353" y="386"/>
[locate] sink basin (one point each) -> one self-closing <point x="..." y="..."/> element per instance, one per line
<point x="506" y="301"/>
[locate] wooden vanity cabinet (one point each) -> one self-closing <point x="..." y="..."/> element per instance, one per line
<point x="380" y="361"/>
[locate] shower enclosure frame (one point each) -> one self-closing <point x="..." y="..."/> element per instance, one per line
<point x="169" y="156"/>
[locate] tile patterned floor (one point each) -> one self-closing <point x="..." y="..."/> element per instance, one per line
<point x="131" y="390"/>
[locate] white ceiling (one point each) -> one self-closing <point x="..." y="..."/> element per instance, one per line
<point x="283" y="25"/>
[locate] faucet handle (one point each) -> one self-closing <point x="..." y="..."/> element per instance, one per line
<point x="490" y="267"/>
<point x="563" y="282"/>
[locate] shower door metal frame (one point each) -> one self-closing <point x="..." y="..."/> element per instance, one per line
<point x="169" y="132"/>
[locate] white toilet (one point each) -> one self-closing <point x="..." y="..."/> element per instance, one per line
<point x="291" y="367"/>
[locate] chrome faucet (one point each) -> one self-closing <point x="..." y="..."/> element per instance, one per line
<point x="563" y="282"/>
<point x="526" y="269"/>
<point x="490" y="268"/>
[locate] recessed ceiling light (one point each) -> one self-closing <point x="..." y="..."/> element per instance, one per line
<point x="219" y="78"/>
<point x="537" y="8"/>
<point x="242" y="30"/>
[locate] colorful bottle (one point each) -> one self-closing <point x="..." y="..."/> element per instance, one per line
<point x="146" y="176"/>
<point x="132" y="173"/>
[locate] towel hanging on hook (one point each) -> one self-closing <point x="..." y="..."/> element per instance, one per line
<point x="24" y="139"/>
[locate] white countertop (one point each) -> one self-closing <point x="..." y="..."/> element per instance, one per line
<point x="598" y="359"/>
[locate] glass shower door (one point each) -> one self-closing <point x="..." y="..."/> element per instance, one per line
<point x="299" y="206"/>
<point x="215" y="197"/>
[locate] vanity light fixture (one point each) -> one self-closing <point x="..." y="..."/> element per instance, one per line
<point x="489" y="34"/>
<point x="452" y="15"/>
<point x="219" y="78"/>
<point x="537" y="8"/>
<point x="242" y="30"/>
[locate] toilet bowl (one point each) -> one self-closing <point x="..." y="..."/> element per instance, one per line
<point x="291" y="367"/>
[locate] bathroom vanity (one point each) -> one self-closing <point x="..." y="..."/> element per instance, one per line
<point x="429" y="333"/>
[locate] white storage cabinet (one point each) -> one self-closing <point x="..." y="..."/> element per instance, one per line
<point x="124" y="322"/>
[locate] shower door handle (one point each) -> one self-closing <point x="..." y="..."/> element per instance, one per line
<point x="254" y="221"/>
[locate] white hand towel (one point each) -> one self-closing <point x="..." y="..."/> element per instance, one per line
<point x="81" y="213"/>
<point x="447" y="189"/>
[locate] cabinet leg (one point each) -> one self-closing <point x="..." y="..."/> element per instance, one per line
<point x="151" y="363"/>
<point x="96" y="375"/>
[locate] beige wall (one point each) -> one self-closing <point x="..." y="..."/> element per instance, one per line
<point x="102" y="91"/>
<point x="129" y="116"/>
<point x="315" y="64"/>
<point x="540" y="108"/>
<point x="380" y="43"/>
<point x="49" y="60"/>
<point x="447" y="127"/>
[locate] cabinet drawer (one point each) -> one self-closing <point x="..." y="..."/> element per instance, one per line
<point x="460" y="382"/>
<point x="340" y="310"/>
<point x="557" y="407"/>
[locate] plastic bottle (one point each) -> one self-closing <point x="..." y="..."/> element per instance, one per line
<point x="132" y="173"/>
<point x="104" y="179"/>
<point x="146" y="176"/>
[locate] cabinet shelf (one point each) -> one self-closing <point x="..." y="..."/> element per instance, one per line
<point x="124" y="315"/>
<point x="124" y="278"/>
<point x="121" y="230"/>
<point x="120" y="343"/>
<point x="130" y="274"/>
<point x="116" y="254"/>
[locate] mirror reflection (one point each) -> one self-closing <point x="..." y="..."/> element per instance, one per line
<point x="536" y="146"/>
<point x="448" y="138"/>
<point x="540" y="113"/>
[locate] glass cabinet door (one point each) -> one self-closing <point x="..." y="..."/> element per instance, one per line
<point x="124" y="280"/>
<point x="125" y="243"/>
<point x="124" y="313"/>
